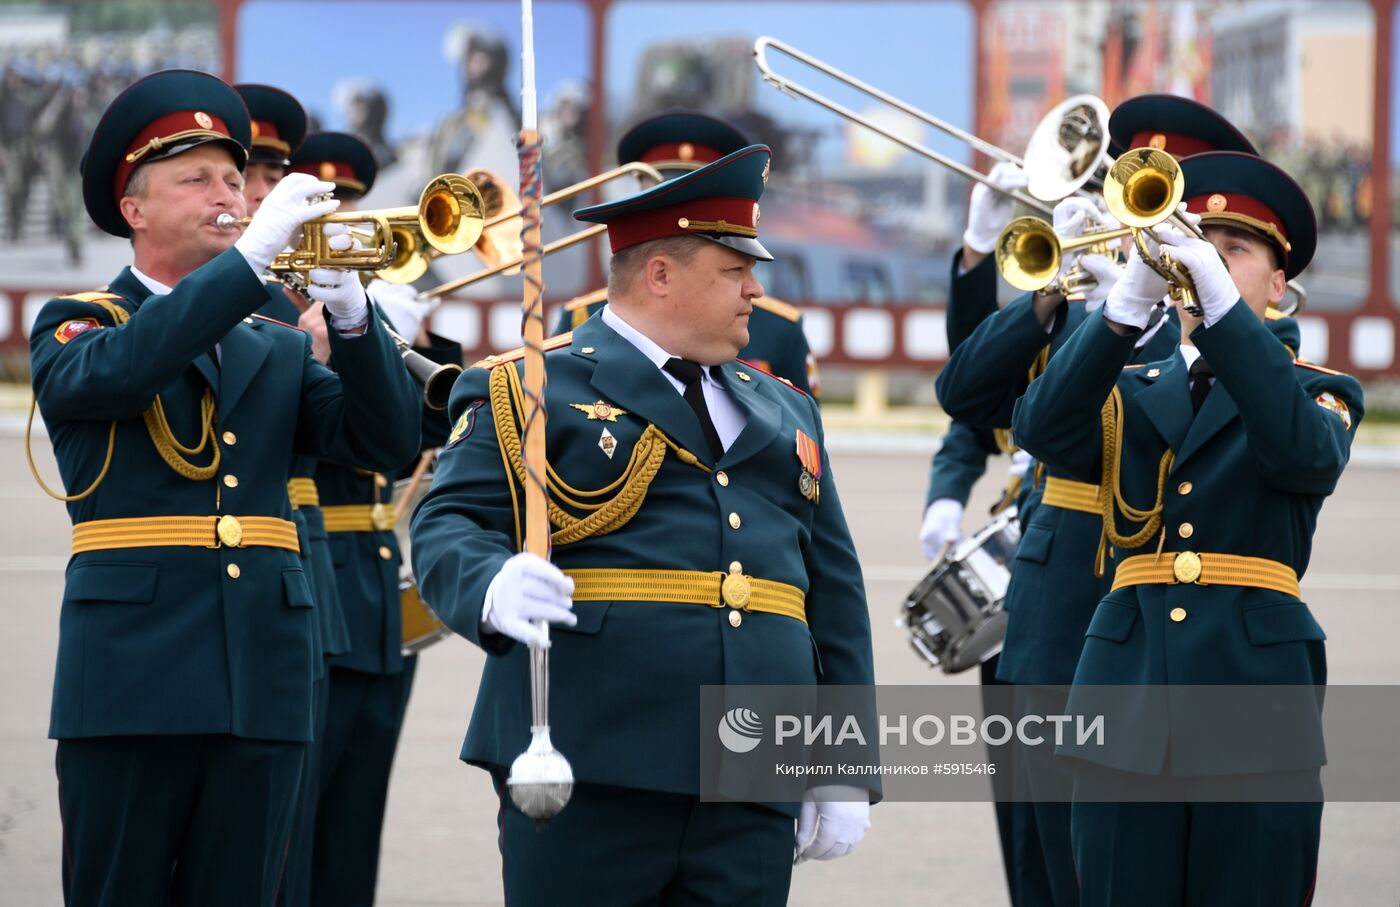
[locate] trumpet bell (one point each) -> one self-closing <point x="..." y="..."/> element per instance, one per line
<point x="410" y="260"/>
<point x="1143" y="187"/>
<point x="1068" y="148"/>
<point x="499" y="242"/>
<point x="451" y="213"/>
<point x="1028" y="253"/>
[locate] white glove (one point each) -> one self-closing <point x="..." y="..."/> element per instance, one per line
<point x="402" y="305"/>
<point x="526" y="589"/>
<point x="1215" y="288"/>
<point x="1020" y="462"/>
<point x="343" y="295"/>
<point x="942" y="526"/>
<point x="831" y="823"/>
<point x="1076" y="215"/>
<point x="989" y="210"/>
<point x="1106" y="272"/>
<point x="279" y="218"/>
<point x="1132" y="297"/>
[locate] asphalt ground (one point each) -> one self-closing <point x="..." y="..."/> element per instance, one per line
<point x="439" y="839"/>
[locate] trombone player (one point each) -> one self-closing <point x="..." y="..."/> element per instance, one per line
<point x="182" y="699"/>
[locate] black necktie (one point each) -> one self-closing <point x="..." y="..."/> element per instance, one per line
<point x="689" y="374"/>
<point x="1200" y="382"/>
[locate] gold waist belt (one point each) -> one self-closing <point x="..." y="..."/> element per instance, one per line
<point x="358" y="518"/>
<point x="1068" y="494"/>
<point x="188" y="531"/>
<point x="303" y="493"/>
<point x="1207" y="569"/>
<point x="691" y="587"/>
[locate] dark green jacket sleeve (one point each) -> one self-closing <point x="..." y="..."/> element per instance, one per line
<point x="972" y="297"/>
<point x="1058" y="418"/>
<point x="989" y="371"/>
<point x="960" y="462"/>
<point x="1299" y="445"/>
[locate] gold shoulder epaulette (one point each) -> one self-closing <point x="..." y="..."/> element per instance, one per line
<point x="94" y="296"/>
<point x="1303" y="363"/>
<point x="553" y="343"/>
<point x="1273" y="314"/>
<point x="778" y="307"/>
<point x="275" y="321"/>
<point x="781" y="380"/>
<point x="586" y="300"/>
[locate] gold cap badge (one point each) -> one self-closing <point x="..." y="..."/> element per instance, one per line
<point x="1217" y="202"/>
<point x="203" y="119"/>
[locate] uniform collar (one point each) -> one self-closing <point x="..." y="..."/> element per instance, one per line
<point x="649" y="348"/>
<point x="155" y="286"/>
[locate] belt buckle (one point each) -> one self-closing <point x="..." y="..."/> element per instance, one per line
<point x="1187" y="567"/>
<point x="379" y="517"/>
<point x="735" y="590"/>
<point x="228" y="532"/>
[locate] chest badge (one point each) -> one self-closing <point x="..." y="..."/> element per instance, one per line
<point x="810" y="456"/>
<point x="601" y="411"/>
<point x="607" y="443"/>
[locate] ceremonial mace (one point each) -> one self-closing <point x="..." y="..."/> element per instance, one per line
<point x="540" y="779"/>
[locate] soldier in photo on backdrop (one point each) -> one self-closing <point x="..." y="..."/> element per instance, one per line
<point x="182" y="699"/>
<point x="647" y="404"/>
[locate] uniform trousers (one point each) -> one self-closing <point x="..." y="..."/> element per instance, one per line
<point x="193" y="819"/>
<point x="625" y="847"/>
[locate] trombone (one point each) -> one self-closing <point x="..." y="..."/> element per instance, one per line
<point x="1067" y="150"/>
<point x="450" y="216"/>
<point x="644" y="171"/>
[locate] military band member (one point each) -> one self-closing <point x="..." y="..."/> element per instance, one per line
<point x="1061" y="562"/>
<point x="1231" y="444"/>
<point x="278" y="128"/>
<point x="653" y="376"/>
<point x="680" y="141"/>
<point x="369" y="683"/>
<point x="183" y="693"/>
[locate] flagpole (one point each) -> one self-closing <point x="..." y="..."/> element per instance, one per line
<point x="541" y="779"/>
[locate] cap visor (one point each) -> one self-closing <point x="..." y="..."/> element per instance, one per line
<point x="741" y="244"/>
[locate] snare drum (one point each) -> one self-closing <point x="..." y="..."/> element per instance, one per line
<point x="954" y="615"/>
<point x="421" y="627"/>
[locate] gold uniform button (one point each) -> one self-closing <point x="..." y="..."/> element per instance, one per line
<point x="586" y="350"/>
<point x="233" y="571"/>
<point x="1186" y="530"/>
<point x="385" y="553"/>
<point x="722" y="478"/>
<point x="230" y="438"/>
<point x="1184" y="488"/>
<point x="735" y="618"/>
<point x="1178" y="615"/>
<point x="734" y="521"/>
<point x="231" y="480"/>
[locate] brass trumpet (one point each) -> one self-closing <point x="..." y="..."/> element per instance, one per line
<point x="1028" y="253"/>
<point x="645" y="171"/>
<point x="450" y="216"/>
<point x="499" y="241"/>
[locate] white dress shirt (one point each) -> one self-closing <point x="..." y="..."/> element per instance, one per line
<point x="729" y="419"/>
<point x="1190" y="353"/>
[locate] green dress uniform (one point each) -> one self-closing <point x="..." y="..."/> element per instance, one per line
<point x="660" y="528"/>
<point x="678" y="141"/>
<point x="1058" y="564"/>
<point x="187" y="640"/>
<point x="1245" y="479"/>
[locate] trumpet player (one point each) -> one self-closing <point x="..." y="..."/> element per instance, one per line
<point x="1200" y="594"/>
<point x="1061" y="567"/>
<point x="182" y="699"/>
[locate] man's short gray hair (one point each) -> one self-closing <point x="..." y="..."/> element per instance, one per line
<point x="627" y="264"/>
